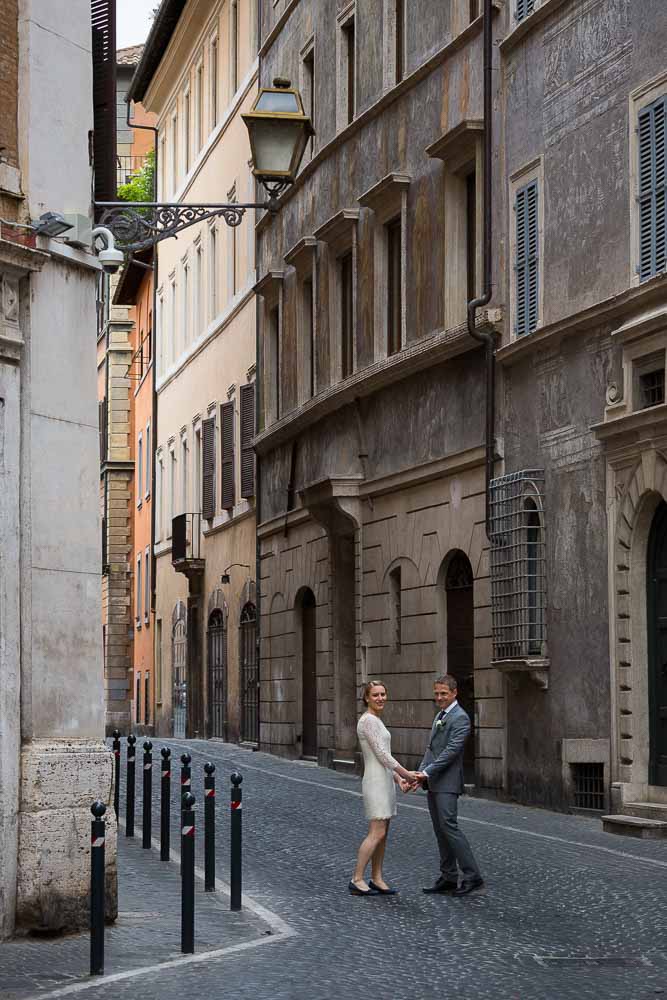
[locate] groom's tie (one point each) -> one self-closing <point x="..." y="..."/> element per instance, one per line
<point x="440" y="716"/>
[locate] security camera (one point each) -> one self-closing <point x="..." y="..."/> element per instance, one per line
<point x="110" y="258"/>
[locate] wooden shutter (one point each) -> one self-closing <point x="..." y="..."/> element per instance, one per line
<point x="526" y="266"/>
<point x="208" y="469"/>
<point x="652" y="202"/>
<point x="227" y="441"/>
<point x="247" y="434"/>
<point x="524" y="8"/>
<point x="103" y="20"/>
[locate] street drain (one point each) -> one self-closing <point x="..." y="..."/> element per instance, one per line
<point x="586" y="961"/>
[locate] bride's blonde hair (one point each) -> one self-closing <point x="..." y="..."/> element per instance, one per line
<point x="372" y="684"/>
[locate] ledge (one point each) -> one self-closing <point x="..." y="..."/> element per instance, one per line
<point x="640" y="420"/>
<point x="528" y="24"/>
<point x="300" y="256"/>
<point x="366" y="381"/>
<point x="536" y="667"/>
<point x="391" y="185"/>
<point x="458" y="144"/>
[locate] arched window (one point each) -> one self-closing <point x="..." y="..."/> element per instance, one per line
<point x="179" y="643"/>
<point x="249" y="674"/>
<point x="216" y="635"/>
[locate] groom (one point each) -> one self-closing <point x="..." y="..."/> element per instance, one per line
<point x="441" y="772"/>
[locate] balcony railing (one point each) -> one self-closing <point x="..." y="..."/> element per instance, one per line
<point x="186" y="539"/>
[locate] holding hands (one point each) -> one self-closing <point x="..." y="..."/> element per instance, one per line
<point x="412" y="782"/>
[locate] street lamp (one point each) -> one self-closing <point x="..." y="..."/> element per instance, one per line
<point x="279" y="131"/>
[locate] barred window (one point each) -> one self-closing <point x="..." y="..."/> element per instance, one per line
<point x="518" y="586"/>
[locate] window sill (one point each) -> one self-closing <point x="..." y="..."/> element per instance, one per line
<point x="536" y="667"/>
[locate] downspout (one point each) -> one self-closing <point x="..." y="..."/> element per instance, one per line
<point x="487" y="337"/>
<point x="153" y="129"/>
<point x="258" y="507"/>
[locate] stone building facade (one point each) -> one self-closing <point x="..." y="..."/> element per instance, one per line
<point x="53" y="762"/>
<point x="374" y="555"/>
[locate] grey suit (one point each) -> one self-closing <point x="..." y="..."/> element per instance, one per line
<point x="443" y="765"/>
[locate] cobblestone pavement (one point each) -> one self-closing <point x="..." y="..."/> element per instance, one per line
<point x="568" y="912"/>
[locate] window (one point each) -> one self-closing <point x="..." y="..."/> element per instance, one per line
<point x="399" y="41"/>
<point x="394" y="286"/>
<point x="308" y="313"/>
<point x="247" y="407"/>
<point x="159" y="488"/>
<point x="139" y="593"/>
<point x="140" y="476"/>
<point x="213" y="273"/>
<point x="526" y="259"/>
<point x="185" y="305"/>
<point x="589" y="786"/>
<point x="234" y="42"/>
<point x="174" y="152"/>
<point x="184" y="475"/>
<point x="308" y="90"/>
<point x="163" y="168"/>
<point x="518" y="574"/>
<point x="148" y="460"/>
<point x="172" y="490"/>
<point x="274" y="347"/>
<point x="471" y="234"/>
<point x="345" y="271"/>
<point x="161" y="333"/>
<point x="158" y="660"/>
<point x="350" y="69"/>
<point x="524" y="8"/>
<point x="396" y="613"/>
<point x="474" y="9"/>
<point x="173" y="350"/>
<point x="197" y="292"/>
<point x="197" y="478"/>
<point x="199" y="97"/>
<point x="147" y="714"/>
<point x="648" y="375"/>
<point x="137" y="701"/>
<point x="227" y="455"/>
<point x="652" y="197"/>
<point x="232" y="250"/>
<point x="147" y="581"/>
<point x="149" y="340"/>
<point x="213" y="76"/>
<point x="208" y="469"/>
<point x="186" y="131"/>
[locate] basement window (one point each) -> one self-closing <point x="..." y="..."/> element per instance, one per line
<point x="588" y="785"/>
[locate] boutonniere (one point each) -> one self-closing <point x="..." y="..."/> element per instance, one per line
<point x="440" y="723"/>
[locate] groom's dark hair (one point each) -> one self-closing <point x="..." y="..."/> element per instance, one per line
<point x="448" y="680"/>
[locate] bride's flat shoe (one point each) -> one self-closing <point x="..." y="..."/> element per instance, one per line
<point x="383" y="892"/>
<point x="356" y="891"/>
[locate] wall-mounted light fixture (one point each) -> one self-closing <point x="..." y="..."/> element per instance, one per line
<point x="225" y="578"/>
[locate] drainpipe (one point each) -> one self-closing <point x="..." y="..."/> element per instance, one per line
<point x="258" y="502"/>
<point x="487" y="338"/>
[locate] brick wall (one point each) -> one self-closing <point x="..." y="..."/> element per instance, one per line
<point x="9" y="78"/>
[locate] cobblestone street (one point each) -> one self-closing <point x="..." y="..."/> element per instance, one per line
<point x="567" y="912"/>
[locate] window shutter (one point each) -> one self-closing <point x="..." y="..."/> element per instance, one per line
<point x="208" y="469"/>
<point x="103" y="20"/>
<point x="102" y="419"/>
<point x="247" y="434"/>
<point x="652" y="203"/>
<point x="526" y="267"/>
<point x="227" y="440"/>
<point x="524" y="8"/>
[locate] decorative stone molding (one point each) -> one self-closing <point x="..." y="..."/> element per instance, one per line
<point x="334" y="503"/>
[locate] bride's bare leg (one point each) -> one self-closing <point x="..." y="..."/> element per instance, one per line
<point x="376" y="834"/>
<point x="377" y="859"/>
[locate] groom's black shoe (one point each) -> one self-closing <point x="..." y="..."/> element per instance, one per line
<point x="442" y="885"/>
<point x="466" y="887"/>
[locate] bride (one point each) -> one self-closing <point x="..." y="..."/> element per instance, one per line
<point x="381" y="775"/>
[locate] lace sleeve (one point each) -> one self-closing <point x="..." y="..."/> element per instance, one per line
<point x="369" y="726"/>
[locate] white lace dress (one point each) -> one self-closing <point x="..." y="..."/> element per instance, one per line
<point x="378" y="786"/>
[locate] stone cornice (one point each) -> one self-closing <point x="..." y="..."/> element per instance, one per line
<point x="366" y="381"/>
<point x="648" y="293"/>
<point x="651" y="422"/>
<point x="414" y="475"/>
<point x="388" y="187"/>
<point x="22" y="258"/>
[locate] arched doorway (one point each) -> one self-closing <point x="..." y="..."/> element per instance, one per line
<point x="217" y="673"/>
<point x="656" y="606"/>
<point x="179" y="645"/>
<point x="249" y="674"/>
<point x="461" y="645"/>
<point x="308" y="641"/>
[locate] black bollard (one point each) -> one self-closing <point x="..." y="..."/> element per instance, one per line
<point x="97" y="833"/>
<point x="116" y="780"/>
<point x="165" y="803"/>
<point x="148" y="797"/>
<point x="235" y="868"/>
<point x="186" y="775"/>
<point x="129" y="812"/>
<point x="209" y="828"/>
<point x="187" y="874"/>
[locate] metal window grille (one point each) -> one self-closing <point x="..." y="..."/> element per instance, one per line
<point x="524" y="8"/>
<point x="588" y="780"/>
<point x="652" y="386"/>
<point x="518" y="578"/>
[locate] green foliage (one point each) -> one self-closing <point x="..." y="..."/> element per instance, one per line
<point x="140" y="187"/>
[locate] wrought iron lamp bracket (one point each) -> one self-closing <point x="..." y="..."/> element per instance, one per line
<point x="141" y="224"/>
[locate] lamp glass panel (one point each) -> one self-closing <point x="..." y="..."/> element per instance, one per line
<point x="278" y="100"/>
<point x="274" y="144"/>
